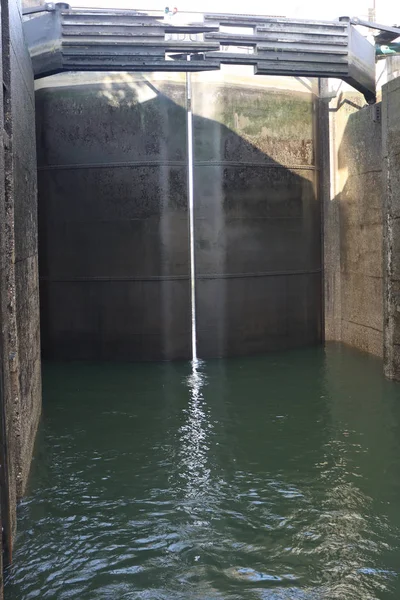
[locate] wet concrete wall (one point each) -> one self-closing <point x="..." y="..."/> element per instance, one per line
<point x="391" y="224"/>
<point x="19" y="289"/>
<point x="113" y="217"/>
<point x="361" y="222"/>
<point x="353" y="226"/>
<point x="26" y="244"/>
<point x="257" y="230"/>
<point x="5" y="492"/>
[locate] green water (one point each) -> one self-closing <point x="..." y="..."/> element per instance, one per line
<point x="261" y="478"/>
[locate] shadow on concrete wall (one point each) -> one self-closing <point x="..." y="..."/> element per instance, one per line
<point x="114" y="258"/>
<point x="359" y="198"/>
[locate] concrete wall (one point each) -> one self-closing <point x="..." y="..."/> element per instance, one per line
<point x="257" y="230"/>
<point x="5" y="384"/>
<point x="353" y="226"/>
<point x="26" y="242"/>
<point x="391" y="162"/>
<point x="19" y="307"/>
<point x="113" y="216"/>
<point x="361" y="222"/>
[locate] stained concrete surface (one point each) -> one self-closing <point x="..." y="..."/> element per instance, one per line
<point x="113" y="220"/>
<point x="361" y="231"/>
<point x="19" y="308"/>
<point x="353" y="216"/>
<point x="391" y="196"/>
<point x="114" y="250"/>
<point x="258" y="221"/>
<point x="26" y="242"/>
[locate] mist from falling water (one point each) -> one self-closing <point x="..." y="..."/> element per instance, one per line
<point x="191" y="214"/>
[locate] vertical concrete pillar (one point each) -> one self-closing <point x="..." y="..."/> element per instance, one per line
<point x="3" y="480"/>
<point x="330" y="218"/>
<point x="351" y="192"/>
<point x="20" y="388"/>
<point x="335" y="110"/>
<point x="10" y="408"/>
<point x="391" y="231"/>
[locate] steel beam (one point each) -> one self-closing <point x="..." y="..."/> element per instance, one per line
<point x="128" y="40"/>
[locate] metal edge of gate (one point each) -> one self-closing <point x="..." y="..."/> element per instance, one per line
<point x="63" y="39"/>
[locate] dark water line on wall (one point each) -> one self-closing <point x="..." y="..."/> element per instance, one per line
<point x="191" y="212"/>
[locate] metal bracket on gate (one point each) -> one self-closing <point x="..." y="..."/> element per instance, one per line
<point x="391" y="33"/>
<point x="385" y="44"/>
<point x="47" y="7"/>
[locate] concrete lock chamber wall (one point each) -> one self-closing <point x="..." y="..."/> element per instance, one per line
<point x="113" y="215"/>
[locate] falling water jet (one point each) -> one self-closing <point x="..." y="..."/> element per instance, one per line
<point x="191" y="213"/>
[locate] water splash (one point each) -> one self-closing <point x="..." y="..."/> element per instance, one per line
<point x="195" y="470"/>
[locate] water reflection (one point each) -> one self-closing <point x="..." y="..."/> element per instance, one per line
<point x="250" y="479"/>
<point x="194" y="438"/>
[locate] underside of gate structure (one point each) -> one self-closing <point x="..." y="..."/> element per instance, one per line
<point x="64" y="39"/>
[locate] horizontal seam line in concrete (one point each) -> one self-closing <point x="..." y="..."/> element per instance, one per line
<point x="392" y="86"/>
<point x="26" y="301"/>
<point x="31" y="359"/>
<point x="28" y="296"/>
<point x="173" y="163"/>
<point x="20" y="155"/>
<point x="156" y="278"/>
<point x="357" y="225"/>
<point x="344" y="271"/>
<point x="181" y="332"/>
<point x="227" y="219"/>
<point x="31" y="353"/>
<point x="362" y="325"/>
<point x="24" y="258"/>
<point x="364" y="172"/>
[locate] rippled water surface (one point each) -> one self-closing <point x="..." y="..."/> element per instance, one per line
<point x="261" y="478"/>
